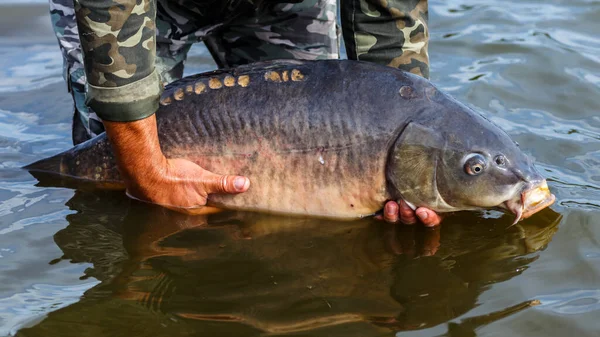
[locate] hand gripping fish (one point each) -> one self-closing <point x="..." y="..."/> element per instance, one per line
<point x="332" y="139"/>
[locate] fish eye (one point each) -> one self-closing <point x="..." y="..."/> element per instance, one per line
<point x="475" y="164"/>
<point x="500" y="160"/>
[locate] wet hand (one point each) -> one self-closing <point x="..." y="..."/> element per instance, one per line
<point x="183" y="186"/>
<point x="149" y="176"/>
<point x="400" y="212"/>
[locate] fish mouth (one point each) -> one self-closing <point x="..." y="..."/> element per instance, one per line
<point x="531" y="200"/>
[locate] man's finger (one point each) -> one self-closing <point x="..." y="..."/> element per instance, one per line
<point x="226" y="184"/>
<point x="390" y="212"/>
<point x="428" y="217"/>
<point x="407" y="214"/>
<point x="202" y="210"/>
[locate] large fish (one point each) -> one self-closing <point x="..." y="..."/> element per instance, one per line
<point x="330" y="138"/>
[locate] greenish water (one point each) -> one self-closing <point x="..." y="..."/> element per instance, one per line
<point x="97" y="264"/>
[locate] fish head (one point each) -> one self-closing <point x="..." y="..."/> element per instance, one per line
<point x="470" y="164"/>
<point x="490" y="171"/>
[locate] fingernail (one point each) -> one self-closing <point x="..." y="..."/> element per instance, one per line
<point x="422" y="215"/>
<point x="239" y="183"/>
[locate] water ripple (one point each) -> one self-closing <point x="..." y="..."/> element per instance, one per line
<point x="571" y="302"/>
<point x="585" y="44"/>
<point x="15" y="126"/>
<point x="521" y="12"/>
<point x="526" y="121"/>
<point x="45" y="218"/>
<point x="33" y="304"/>
<point x="584" y="75"/>
<point x="486" y="70"/>
<point x="21" y="2"/>
<point x="30" y="67"/>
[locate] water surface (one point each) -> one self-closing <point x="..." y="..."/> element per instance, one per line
<point x="98" y="264"/>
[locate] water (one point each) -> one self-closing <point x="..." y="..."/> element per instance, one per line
<point x="74" y="262"/>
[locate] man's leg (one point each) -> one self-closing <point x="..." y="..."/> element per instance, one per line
<point x="178" y="26"/>
<point x="389" y="32"/>
<point x="304" y="30"/>
<point x="86" y="123"/>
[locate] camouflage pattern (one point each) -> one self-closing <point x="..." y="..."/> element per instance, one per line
<point x="117" y="39"/>
<point x="245" y="32"/>
<point x="235" y="31"/>
<point x="86" y="124"/>
<point x="391" y="32"/>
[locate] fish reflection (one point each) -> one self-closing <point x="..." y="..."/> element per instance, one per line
<point x="249" y="274"/>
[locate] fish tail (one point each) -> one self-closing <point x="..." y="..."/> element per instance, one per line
<point x="52" y="165"/>
<point x="48" y="170"/>
<point x="89" y="164"/>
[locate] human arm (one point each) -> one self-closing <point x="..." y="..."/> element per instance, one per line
<point x="176" y="184"/>
<point x="123" y="88"/>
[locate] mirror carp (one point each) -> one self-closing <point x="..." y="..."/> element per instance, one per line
<point x="331" y="138"/>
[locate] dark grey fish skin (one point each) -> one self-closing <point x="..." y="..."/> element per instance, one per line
<point x="324" y="138"/>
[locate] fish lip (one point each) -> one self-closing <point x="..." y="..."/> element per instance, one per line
<point x="533" y="198"/>
<point x="536" y="206"/>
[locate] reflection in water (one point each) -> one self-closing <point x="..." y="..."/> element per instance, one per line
<point x="572" y="302"/>
<point x="248" y="274"/>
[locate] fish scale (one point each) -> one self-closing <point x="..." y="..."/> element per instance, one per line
<point x="291" y="151"/>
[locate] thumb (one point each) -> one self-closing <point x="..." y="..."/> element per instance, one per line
<point x="215" y="183"/>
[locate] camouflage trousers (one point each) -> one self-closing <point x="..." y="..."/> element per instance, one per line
<point x="392" y="32"/>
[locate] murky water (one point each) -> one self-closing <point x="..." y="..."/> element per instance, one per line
<point x="100" y="265"/>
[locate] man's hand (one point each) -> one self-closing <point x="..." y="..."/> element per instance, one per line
<point x="394" y="212"/>
<point x="177" y="184"/>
